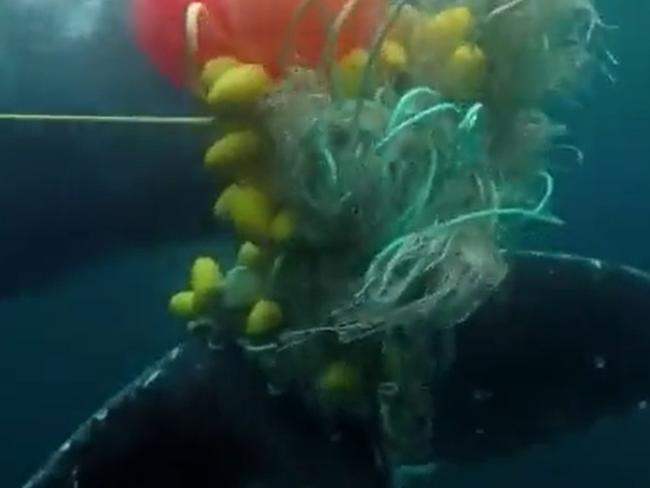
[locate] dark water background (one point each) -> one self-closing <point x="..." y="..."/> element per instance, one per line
<point x="95" y="230"/>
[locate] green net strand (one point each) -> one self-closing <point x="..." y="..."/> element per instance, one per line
<point x="415" y="119"/>
<point x="471" y="117"/>
<point x="403" y="106"/>
<point x="422" y="197"/>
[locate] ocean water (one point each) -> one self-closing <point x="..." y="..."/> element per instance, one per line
<point x="94" y="230"/>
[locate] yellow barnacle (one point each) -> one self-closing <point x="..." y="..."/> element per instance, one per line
<point x="340" y="377"/>
<point x="406" y="22"/>
<point x="251" y="255"/>
<point x="264" y="317"/>
<point x="242" y="288"/>
<point x="393" y="56"/>
<point x="250" y="210"/>
<point x="182" y="304"/>
<point x="252" y="213"/>
<point x="442" y="33"/>
<point x="350" y="72"/>
<point x="234" y="149"/>
<point x="283" y="226"/>
<point x="215" y="69"/>
<point x="206" y="280"/>
<point x="222" y="206"/>
<point x="206" y="274"/>
<point x="464" y="73"/>
<point x="242" y="84"/>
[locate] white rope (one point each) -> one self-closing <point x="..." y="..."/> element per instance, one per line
<point x="107" y="119"/>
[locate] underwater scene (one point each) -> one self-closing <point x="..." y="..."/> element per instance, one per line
<point x="324" y="243"/>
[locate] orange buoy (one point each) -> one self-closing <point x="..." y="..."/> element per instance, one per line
<point x="253" y="31"/>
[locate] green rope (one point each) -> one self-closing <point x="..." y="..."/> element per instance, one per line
<point x="471" y="117"/>
<point x="534" y="214"/>
<point x="402" y="105"/>
<point x="441" y="107"/>
<point x="550" y="185"/>
<point x="330" y="160"/>
<point x="427" y="190"/>
<point x="501" y="212"/>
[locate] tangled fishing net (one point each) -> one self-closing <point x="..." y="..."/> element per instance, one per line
<point x="377" y="172"/>
<point x="405" y="184"/>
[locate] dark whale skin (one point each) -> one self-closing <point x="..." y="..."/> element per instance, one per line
<point x="563" y="342"/>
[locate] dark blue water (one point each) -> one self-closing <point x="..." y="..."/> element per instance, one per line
<point x="94" y="230"/>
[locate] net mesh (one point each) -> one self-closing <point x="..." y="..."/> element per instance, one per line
<point x="407" y="160"/>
